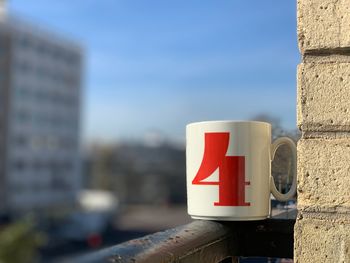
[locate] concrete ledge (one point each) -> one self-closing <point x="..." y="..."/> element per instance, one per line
<point x="203" y="241"/>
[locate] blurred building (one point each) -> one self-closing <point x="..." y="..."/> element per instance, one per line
<point x="40" y="82"/>
<point x="139" y="173"/>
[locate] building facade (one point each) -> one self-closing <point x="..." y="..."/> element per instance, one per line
<point x="40" y="87"/>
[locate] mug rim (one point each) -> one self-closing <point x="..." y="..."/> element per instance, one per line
<point x="228" y="122"/>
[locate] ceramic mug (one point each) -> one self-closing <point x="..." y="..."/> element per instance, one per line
<point x="228" y="167"/>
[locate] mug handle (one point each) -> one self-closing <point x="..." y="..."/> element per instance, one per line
<point x="276" y="144"/>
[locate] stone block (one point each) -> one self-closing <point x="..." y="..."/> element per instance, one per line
<point x="324" y="96"/>
<point x="323" y="25"/>
<point x="324" y="174"/>
<point x="321" y="240"/>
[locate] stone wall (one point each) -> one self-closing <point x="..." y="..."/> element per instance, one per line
<point x="322" y="230"/>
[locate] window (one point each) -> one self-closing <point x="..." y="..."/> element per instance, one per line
<point x="19" y="165"/>
<point x="38" y="165"/>
<point x="23" y="116"/>
<point x="21" y="140"/>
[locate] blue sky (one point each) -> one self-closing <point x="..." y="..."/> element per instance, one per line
<point x="158" y="65"/>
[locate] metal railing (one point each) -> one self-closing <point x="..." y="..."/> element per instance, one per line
<point x="204" y="242"/>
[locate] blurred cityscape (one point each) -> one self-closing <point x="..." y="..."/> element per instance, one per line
<point x="60" y="198"/>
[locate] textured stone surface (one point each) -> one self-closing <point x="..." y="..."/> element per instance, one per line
<point x="324" y="96"/>
<point x="323" y="24"/>
<point x="324" y="174"/>
<point x="326" y="58"/>
<point x="322" y="230"/>
<point x="320" y="240"/>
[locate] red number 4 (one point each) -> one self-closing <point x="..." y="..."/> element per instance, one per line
<point x="231" y="170"/>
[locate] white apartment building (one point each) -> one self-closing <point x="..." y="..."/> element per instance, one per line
<point x="40" y="90"/>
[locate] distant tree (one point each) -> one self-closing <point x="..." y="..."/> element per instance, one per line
<point x="277" y="129"/>
<point x="19" y="242"/>
<point x="139" y="173"/>
<point x="102" y="168"/>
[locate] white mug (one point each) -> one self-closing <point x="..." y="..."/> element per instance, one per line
<point x="228" y="167"/>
